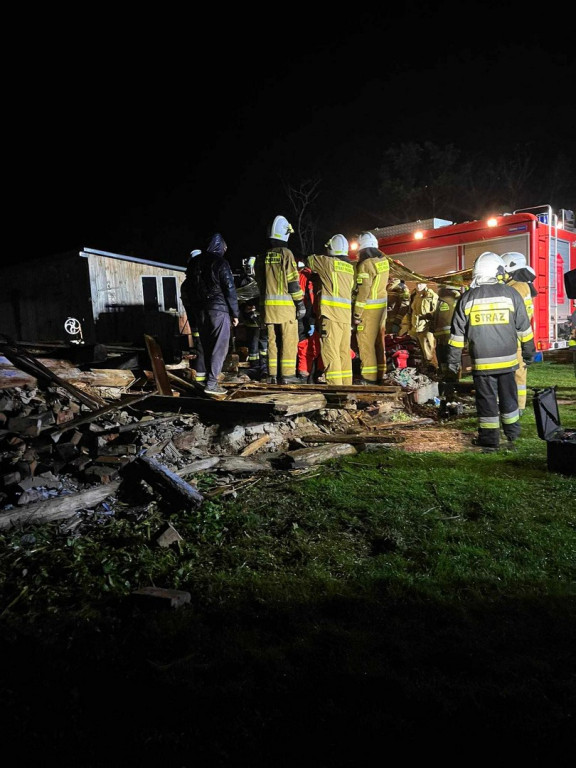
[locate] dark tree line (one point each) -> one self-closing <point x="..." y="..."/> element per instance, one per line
<point x="424" y="181"/>
<point x="406" y="182"/>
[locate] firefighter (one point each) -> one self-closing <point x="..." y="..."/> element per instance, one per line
<point x="370" y="308"/>
<point x="448" y="296"/>
<point x="422" y="307"/>
<point x="281" y="302"/>
<point x="520" y="276"/>
<point x="256" y="339"/>
<point x="334" y="306"/>
<point x="491" y="318"/>
<point x="398" y="305"/>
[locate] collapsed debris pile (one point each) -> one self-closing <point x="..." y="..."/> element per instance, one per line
<point x="67" y="441"/>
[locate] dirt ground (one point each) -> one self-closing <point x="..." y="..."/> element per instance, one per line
<point x="426" y="439"/>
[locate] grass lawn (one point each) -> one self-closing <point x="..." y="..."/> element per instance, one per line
<point x="383" y="608"/>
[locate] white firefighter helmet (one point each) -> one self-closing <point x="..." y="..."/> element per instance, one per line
<point x="513" y="261"/>
<point x="281" y="229"/>
<point x="367" y="240"/>
<point x="337" y="246"/>
<point x="488" y="265"/>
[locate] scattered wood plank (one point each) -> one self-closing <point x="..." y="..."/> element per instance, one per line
<point x="95" y="377"/>
<point x="59" y="507"/>
<point x="222" y="411"/>
<point x="165" y="482"/>
<point x="158" y="367"/>
<point x="241" y="465"/>
<point x="289" y="404"/>
<point x="255" y="445"/>
<point x="355" y="439"/>
<point x="21" y="359"/>
<point x="306" y="457"/>
<point x="95" y="414"/>
<point x="10" y="376"/>
<point x="250" y="388"/>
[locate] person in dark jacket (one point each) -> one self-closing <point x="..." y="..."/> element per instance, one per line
<point x="492" y="319"/>
<point x="209" y="295"/>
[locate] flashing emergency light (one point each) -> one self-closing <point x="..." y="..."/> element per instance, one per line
<point x="492" y="222"/>
<point x="418" y="235"/>
<point x="353" y="245"/>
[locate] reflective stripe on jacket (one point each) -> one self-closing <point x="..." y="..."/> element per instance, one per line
<point x="492" y="320"/>
<point x="334" y="297"/>
<point x="279" y="285"/>
<point x="372" y="275"/>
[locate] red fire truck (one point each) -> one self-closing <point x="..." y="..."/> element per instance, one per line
<point x="435" y="247"/>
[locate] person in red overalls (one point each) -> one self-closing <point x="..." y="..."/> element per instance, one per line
<point x="309" y="361"/>
<point x="400" y="357"/>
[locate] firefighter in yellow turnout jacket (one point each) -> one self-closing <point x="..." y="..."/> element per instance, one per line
<point x="398" y="305"/>
<point x="281" y="302"/>
<point x="448" y="296"/>
<point x="334" y="308"/>
<point x="520" y="276"/>
<point x="370" y="307"/>
<point x="492" y="319"/>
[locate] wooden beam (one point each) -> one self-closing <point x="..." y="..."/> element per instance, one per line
<point x="158" y="367"/>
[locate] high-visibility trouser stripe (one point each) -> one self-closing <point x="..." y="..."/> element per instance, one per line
<point x="457" y="342"/>
<point x="254" y="356"/>
<point x="338" y="374"/>
<point x="489" y="422"/>
<point x="444" y="331"/>
<point x="200" y="376"/>
<point x="510" y="418"/>
<point x="369" y="369"/>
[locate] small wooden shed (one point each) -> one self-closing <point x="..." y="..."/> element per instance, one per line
<point x="115" y="299"/>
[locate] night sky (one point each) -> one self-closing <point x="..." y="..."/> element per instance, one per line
<point x="179" y="127"/>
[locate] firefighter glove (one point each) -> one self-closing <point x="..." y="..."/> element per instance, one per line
<point x="300" y="310"/>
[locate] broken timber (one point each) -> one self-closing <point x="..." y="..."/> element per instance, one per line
<point x="158" y="367"/>
<point x="265" y="407"/>
<point x="59" y="507"/>
<point x="167" y="483"/>
<point x="305" y="457"/>
<point x="29" y="364"/>
<point x="353" y="439"/>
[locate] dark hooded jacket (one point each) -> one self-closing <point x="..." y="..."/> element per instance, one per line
<point x="209" y="282"/>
